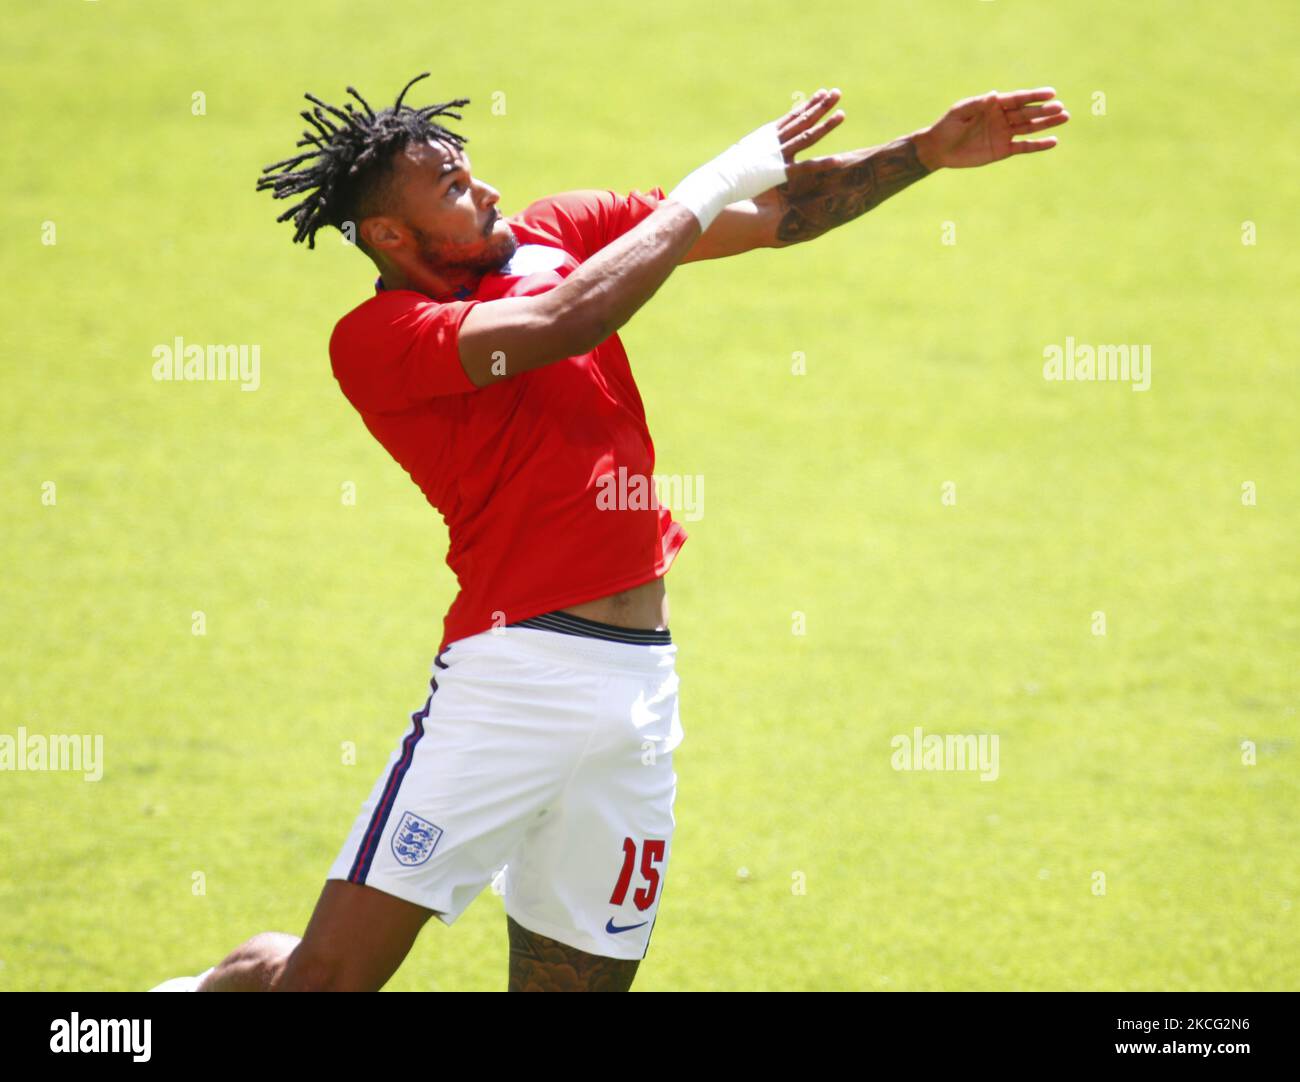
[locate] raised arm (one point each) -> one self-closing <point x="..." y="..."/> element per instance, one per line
<point x="822" y="193"/>
<point x="504" y="337"/>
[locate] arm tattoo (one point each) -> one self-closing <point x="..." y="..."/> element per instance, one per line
<point x="539" y="964"/>
<point x="821" y="193"/>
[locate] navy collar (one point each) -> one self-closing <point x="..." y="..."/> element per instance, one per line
<point x="460" y="293"/>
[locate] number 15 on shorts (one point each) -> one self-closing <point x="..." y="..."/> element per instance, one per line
<point x="652" y="855"/>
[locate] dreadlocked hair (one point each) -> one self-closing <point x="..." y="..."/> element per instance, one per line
<point x="352" y="150"/>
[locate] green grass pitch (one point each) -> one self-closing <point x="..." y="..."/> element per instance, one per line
<point x="1126" y="754"/>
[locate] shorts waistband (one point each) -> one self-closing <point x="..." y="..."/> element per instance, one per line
<point x="565" y="647"/>
<point x="568" y="624"/>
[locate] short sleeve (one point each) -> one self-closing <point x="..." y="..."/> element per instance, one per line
<point x="582" y="222"/>
<point x="399" y="349"/>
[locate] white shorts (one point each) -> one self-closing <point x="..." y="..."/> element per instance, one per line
<point x="543" y="753"/>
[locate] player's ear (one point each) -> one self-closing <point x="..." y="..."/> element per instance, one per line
<point x="380" y="232"/>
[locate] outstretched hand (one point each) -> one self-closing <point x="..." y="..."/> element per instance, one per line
<point x="981" y="130"/>
<point x="799" y="128"/>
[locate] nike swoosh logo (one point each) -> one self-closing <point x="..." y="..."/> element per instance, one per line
<point x="612" y="928"/>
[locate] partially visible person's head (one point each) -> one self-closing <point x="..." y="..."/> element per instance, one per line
<point x="395" y="182"/>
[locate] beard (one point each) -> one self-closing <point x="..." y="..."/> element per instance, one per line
<point x="440" y="257"/>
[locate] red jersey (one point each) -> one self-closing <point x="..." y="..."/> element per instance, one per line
<point x="522" y="470"/>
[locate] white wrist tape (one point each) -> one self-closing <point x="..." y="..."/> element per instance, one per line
<point x="745" y="169"/>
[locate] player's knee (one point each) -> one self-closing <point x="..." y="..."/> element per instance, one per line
<point x="307" y="971"/>
<point x="268" y="954"/>
<point x="313" y="970"/>
<point x="254" y="965"/>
